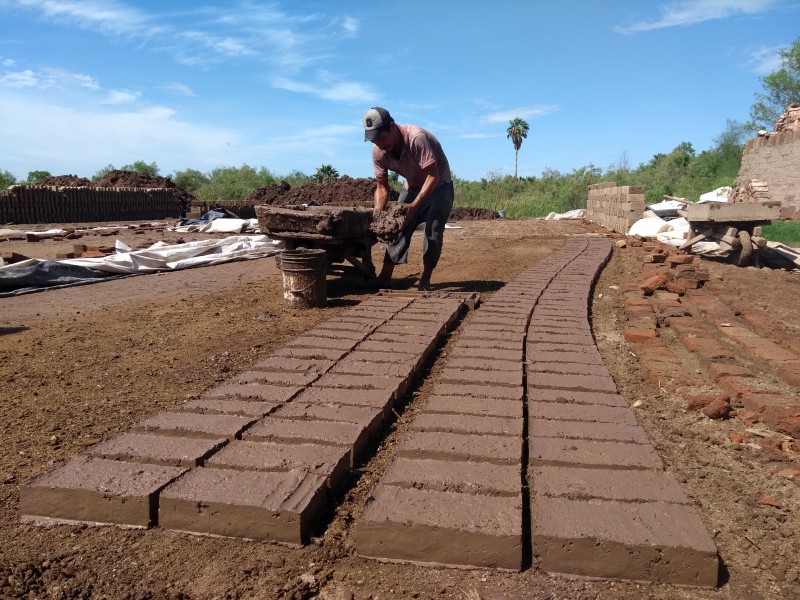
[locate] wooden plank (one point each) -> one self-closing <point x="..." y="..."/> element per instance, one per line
<point x="725" y="212"/>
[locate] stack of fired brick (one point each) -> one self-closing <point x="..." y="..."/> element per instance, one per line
<point x="614" y="207"/>
<point x="23" y="204"/>
<point x="525" y="420"/>
<point x="265" y="454"/>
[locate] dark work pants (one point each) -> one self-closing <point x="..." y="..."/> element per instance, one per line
<point x="434" y="212"/>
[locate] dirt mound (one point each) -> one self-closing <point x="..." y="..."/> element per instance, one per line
<point x="133" y="179"/>
<point x="64" y="181"/>
<point x="465" y="213"/>
<point x="387" y="224"/>
<point x="344" y="191"/>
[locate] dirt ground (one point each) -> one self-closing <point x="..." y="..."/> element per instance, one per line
<point x="80" y="364"/>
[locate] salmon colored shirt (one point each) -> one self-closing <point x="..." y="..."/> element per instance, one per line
<point x="420" y="150"/>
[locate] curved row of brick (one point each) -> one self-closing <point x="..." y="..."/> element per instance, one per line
<point x="263" y="454"/>
<point x="525" y="420"/>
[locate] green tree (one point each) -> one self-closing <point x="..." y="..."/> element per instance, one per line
<point x="230" y="183"/>
<point x="35" y="177"/>
<point x="6" y="179"/>
<point x="517" y="131"/>
<point x="140" y="166"/>
<point x="326" y="174"/>
<point x="190" y="180"/>
<point x="103" y="172"/>
<point x="782" y="89"/>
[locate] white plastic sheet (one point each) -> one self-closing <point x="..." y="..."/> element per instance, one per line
<point x="578" y="213"/>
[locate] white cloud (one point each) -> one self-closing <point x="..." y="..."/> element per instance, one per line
<point x="764" y="61"/>
<point x="350" y="26"/>
<point x="525" y="112"/>
<point x="7" y="62"/>
<point x="690" y="12"/>
<point x="179" y="89"/>
<point x="121" y="97"/>
<point x="478" y="136"/>
<point x="20" y="79"/>
<point x="329" y="87"/>
<point x="108" y="16"/>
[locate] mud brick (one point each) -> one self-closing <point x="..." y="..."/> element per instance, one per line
<point x="481" y="364"/>
<point x="277" y="506"/>
<point x="348" y="366"/>
<point x="364" y="382"/>
<point x="332" y="462"/>
<point x="321" y="342"/>
<point x="572" y="381"/>
<point x="400" y="329"/>
<point x="311" y="353"/>
<point x="195" y="425"/>
<point x="474" y="406"/>
<point x="593" y="452"/>
<point x="165" y="450"/>
<point x="336" y="334"/>
<point x="422" y="340"/>
<point x="493" y="378"/>
<point x="576" y="368"/>
<point x="390" y="348"/>
<point x="486" y="334"/>
<point x="558" y="353"/>
<point x="453" y="476"/>
<point x="719" y="369"/>
<point x="496" y="327"/>
<point x="513" y="345"/>
<point x="299" y="431"/>
<point x="499" y="449"/>
<point x="581" y="412"/>
<point x="478" y="391"/>
<point x="586" y="430"/>
<point x="287" y="378"/>
<point x="444" y="528"/>
<point x="403" y="358"/>
<point x="380" y="399"/>
<point x="577" y="340"/>
<point x="488" y="319"/>
<point x="610" y="484"/>
<point x="253" y="391"/>
<point x="485" y="353"/>
<point x="653" y="541"/>
<point x="332" y="325"/>
<point x="97" y="490"/>
<point x="364" y="416"/>
<point x="316" y="366"/>
<point x="211" y="406"/>
<point x="469" y="424"/>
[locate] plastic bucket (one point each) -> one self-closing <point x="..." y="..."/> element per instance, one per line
<point x="304" y="283"/>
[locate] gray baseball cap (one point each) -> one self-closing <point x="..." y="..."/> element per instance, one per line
<point x="376" y="120"/>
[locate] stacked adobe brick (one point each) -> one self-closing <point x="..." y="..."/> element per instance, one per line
<point x="264" y="454"/>
<point x="525" y="419"/>
<point x="614" y="207"/>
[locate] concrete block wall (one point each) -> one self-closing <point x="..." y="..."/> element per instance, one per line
<point x="615" y="207"/>
<point x="22" y="204"/>
<point x="775" y="159"/>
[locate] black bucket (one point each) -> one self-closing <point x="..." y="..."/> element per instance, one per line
<point x="304" y="284"/>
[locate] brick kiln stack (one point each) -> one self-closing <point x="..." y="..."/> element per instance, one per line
<point x="615" y="207"/>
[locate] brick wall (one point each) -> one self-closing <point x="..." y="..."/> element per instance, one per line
<point x="774" y="159"/>
<point x="21" y="204"/>
<point x="614" y="207"/>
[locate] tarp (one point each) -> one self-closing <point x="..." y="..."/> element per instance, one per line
<point x="578" y="213"/>
<point x="216" y="220"/>
<point x="36" y="274"/>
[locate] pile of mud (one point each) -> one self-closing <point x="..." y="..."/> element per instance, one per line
<point x="465" y="213"/>
<point x="344" y="191"/>
<point x="64" y="181"/>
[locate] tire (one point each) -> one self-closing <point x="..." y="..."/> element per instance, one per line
<point x="746" y="253"/>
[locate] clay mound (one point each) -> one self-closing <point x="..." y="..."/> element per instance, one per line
<point x="132" y="179"/>
<point x="387" y="224"/>
<point x="64" y="181"/>
<point x="466" y="213"/>
<point x="271" y="194"/>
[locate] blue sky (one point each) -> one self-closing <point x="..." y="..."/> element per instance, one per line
<point x="283" y="85"/>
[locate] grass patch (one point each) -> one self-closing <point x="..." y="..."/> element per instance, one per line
<point x="785" y="232"/>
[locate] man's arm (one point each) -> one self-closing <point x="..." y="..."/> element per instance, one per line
<point x="381" y="193"/>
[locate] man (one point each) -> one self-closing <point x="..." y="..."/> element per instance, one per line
<point x="427" y="198"/>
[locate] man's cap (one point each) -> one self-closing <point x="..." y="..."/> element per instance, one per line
<point x="376" y="120"/>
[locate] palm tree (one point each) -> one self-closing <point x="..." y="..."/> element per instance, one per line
<point x="326" y="174"/>
<point x="517" y="130"/>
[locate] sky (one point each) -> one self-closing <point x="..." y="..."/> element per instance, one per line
<point x="283" y="85"/>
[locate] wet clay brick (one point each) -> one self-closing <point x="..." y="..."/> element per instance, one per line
<point x="157" y="449"/>
<point x="453" y="476"/>
<point x="309" y="341"/>
<point x="311" y="353"/>
<point x="610" y="484"/>
<point x="253" y="391"/>
<point x="391" y="347"/>
<point x="365" y="416"/>
<point x="316" y="366"/>
<point x="590" y="357"/>
<point x="493" y="378"/>
<point x="513" y="345"/>
<point x="485" y="353"/>
<point x="287" y="378"/>
<point x="446" y="528"/>
<point x="498" y="449"/>
<point x="593" y="452"/>
<point x="568" y="368"/>
<point x="586" y="430"/>
<point x="195" y="425"/>
<point x="432" y="421"/>
<point x="478" y="391"/>
<point x="211" y="406"/>
<point x="572" y="381"/>
<point x="364" y="382"/>
<point x="653" y="541"/>
<point x="480" y="364"/>
<point x="400" y="358"/>
<point x="278" y="506"/>
<point x="385" y="369"/>
<point x="336" y="334"/>
<point x="379" y="399"/>
<point x="474" y="406"/>
<point x="581" y="412"/>
<point x="333" y="462"/>
<point x="422" y="340"/>
<point x="97" y="490"/>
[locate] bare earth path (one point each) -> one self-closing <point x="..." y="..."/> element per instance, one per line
<point x="80" y="364"/>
